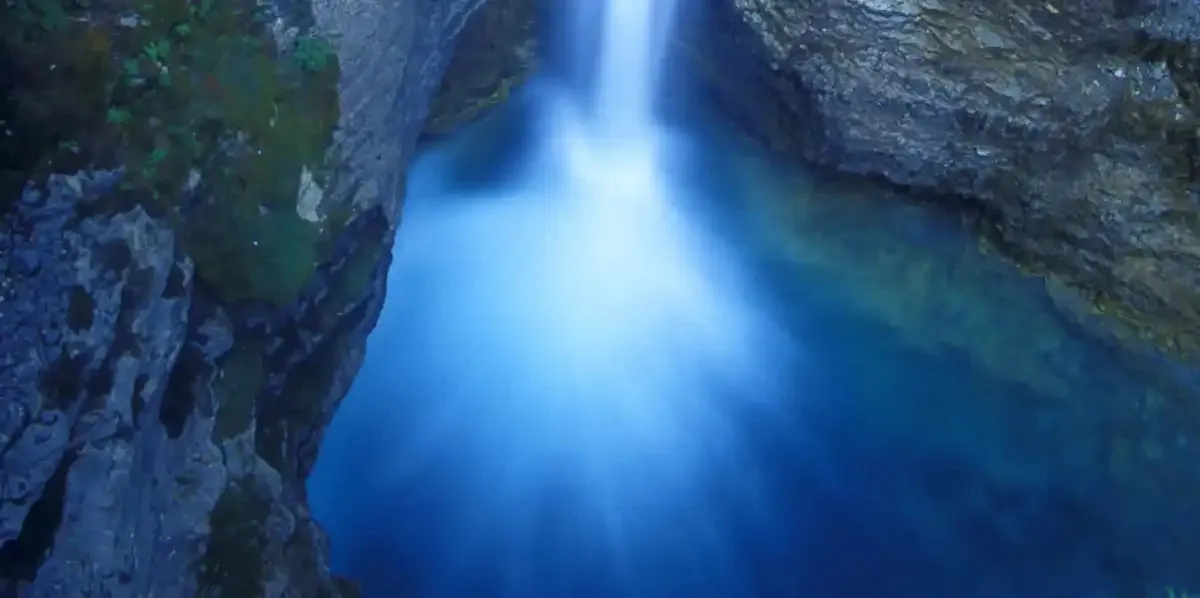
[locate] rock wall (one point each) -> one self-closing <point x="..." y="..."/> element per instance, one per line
<point x="197" y="202"/>
<point x="496" y="52"/>
<point x="1073" y="126"/>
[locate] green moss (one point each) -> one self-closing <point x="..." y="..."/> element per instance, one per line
<point x="267" y="256"/>
<point x="233" y="562"/>
<point x="211" y="123"/>
<point x="312" y="53"/>
<point x="299" y="405"/>
<point x="237" y="386"/>
<point x="51" y="119"/>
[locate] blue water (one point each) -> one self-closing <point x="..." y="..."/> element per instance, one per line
<point x="842" y="427"/>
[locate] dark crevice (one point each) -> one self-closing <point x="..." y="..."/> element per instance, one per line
<point x="179" y="400"/>
<point x="100" y="384"/>
<point x="62" y="382"/>
<point x="81" y="309"/>
<point x="180" y="397"/>
<point x="21" y="558"/>
<point x="176" y="283"/>
<point x="138" y="401"/>
<point x="115" y="255"/>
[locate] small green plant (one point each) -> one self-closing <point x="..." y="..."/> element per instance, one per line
<point x="158" y="50"/>
<point x="118" y="116"/>
<point x="312" y="52"/>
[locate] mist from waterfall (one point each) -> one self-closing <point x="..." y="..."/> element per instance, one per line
<point x="566" y="354"/>
<point x="625" y="355"/>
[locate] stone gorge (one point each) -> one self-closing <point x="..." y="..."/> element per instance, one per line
<point x="198" y="201"/>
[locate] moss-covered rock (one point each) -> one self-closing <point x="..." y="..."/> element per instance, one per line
<point x="233" y="561"/>
<point x="186" y="276"/>
<point x="212" y="122"/>
<point x="495" y="53"/>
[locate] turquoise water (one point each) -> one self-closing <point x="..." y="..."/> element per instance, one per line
<point x="892" y="413"/>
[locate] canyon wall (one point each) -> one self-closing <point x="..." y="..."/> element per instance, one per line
<point x="197" y="204"/>
<point x="1071" y="127"/>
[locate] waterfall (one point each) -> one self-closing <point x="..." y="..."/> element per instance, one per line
<point x="573" y="347"/>
<point x="631" y="53"/>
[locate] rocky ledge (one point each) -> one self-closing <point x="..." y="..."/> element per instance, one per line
<point x="1072" y="126"/>
<point x="496" y="52"/>
<point x="197" y="202"/>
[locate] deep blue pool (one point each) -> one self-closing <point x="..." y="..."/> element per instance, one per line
<point x="934" y="429"/>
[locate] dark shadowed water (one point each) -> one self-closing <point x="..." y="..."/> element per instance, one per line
<point x="793" y="387"/>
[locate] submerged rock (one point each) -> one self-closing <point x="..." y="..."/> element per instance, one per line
<point x="1073" y="125"/>
<point x="197" y="202"/>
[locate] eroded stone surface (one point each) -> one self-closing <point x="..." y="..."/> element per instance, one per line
<point x="497" y="50"/>
<point x="1071" y="124"/>
<point x="393" y="56"/>
<point x="158" y="419"/>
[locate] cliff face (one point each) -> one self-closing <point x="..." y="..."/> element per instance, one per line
<point x="496" y="52"/>
<point x="197" y="201"/>
<point x="1071" y="125"/>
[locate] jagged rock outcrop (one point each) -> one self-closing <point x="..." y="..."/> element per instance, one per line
<point x="496" y="52"/>
<point x="197" y="202"/>
<point x="1072" y="125"/>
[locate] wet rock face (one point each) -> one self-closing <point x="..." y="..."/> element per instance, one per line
<point x="154" y="441"/>
<point x="195" y="230"/>
<point x="496" y="51"/>
<point x="1072" y="124"/>
<point x="393" y="56"/>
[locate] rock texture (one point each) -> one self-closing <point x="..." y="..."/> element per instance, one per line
<point x="495" y="53"/>
<point x="193" y="245"/>
<point x="1071" y="124"/>
<point x="393" y="56"/>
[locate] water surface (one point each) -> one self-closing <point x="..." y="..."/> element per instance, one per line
<point x="785" y="386"/>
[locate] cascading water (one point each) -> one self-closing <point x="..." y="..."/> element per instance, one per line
<point x="575" y="390"/>
<point x="631" y="46"/>
<point x="566" y="355"/>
